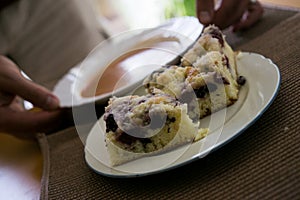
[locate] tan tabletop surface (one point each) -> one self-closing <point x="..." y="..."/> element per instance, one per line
<point x="21" y="166"/>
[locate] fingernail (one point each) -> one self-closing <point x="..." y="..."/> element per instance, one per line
<point x="205" y="17"/>
<point x="52" y="102"/>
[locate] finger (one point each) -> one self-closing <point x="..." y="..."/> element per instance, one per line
<point x="6" y="98"/>
<point x="26" y="124"/>
<point x="255" y="12"/>
<point x="36" y="94"/>
<point x="11" y="81"/>
<point x="205" y="11"/>
<point x="230" y="12"/>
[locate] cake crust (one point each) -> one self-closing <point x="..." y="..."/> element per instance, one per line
<point x="138" y="126"/>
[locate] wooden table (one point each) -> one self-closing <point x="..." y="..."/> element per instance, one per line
<point x="290" y="3"/>
<point x="21" y="166"/>
<point x="21" y="162"/>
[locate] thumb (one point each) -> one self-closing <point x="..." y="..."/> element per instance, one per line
<point x="205" y="11"/>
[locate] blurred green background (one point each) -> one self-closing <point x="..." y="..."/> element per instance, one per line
<point x="177" y="8"/>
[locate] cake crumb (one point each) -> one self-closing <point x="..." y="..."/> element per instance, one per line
<point x="202" y="133"/>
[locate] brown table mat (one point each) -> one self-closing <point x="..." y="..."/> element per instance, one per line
<point x="262" y="163"/>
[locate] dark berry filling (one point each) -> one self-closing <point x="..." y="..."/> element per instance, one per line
<point x="215" y="33"/>
<point x="111" y="124"/>
<point x="241" y="80"/>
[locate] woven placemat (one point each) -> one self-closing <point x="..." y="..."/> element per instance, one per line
<point x="262" y="163"/>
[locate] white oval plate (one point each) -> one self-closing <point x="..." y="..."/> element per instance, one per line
<point x="176" y="35"/>
<point x="255" y="97"/>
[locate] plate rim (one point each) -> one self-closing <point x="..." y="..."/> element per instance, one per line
<point x="216" y="146"/>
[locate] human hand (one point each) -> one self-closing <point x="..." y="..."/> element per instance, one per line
<point x="240" y="14"/>
<point x="14" y="119"/>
